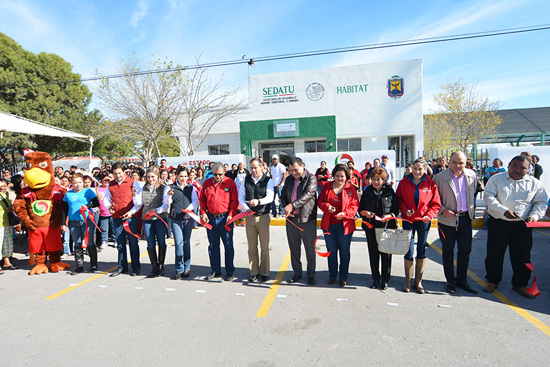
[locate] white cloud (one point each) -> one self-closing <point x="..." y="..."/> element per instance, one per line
<point x="140" y="13"/>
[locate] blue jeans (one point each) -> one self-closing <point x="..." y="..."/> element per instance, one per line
<point x="338" y="242"/>
<point x="104" y="224"/>
<point x="276" y="209"/>
<point x="169" y="228"/>
<point x="218" y="232"/>
<point x="122" y="237"/>
<point x="155" y="232"/>
<point x="182" y="230"/>
<point x="67" y="243"/>
<point x="421" y="230"/>
<point x="77" y="229"/>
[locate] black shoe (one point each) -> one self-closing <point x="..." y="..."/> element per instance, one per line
<point x="111" y="244"/>
<point x="252" y="278"/>
<point x="77" y="270"/>
<point x="375" y="284"/>
<point x="294" y="279"/>
<point x="450" y="288"/>
<point x="185" y="274"/>
<point x="134" y="274"/>
<point x="161" y="271"/>
<point x="116" y="273"/>
<point x="230" y="278"/>
<point x="264" y="278"/>
<point x="383" y="285"/>
<point x="212" y="276"/>
<point x="177" y="276"/>
<point x="311" y="280"/>
<point x="343" y="283"/>
<point x="331" y="281"/>
<point x="466" y="287"/>
<point x="93" y="269"/>
<point x="153" y="274"/>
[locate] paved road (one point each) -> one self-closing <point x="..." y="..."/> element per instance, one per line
<point x="138" y="321"/>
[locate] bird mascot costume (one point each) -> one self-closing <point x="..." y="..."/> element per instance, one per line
<point x="39" y="206"/>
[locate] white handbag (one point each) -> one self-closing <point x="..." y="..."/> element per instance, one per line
<point x="393" y="241"/>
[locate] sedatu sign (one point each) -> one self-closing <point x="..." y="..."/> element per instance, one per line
<point x="278" y="94"/>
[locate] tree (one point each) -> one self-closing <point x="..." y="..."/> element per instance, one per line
<point x="463" y="117"/>
<point x="25" y="91"/>
<point x="205" y="105"/>
<point x="142" y="106"/>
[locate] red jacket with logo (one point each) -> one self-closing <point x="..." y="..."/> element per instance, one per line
<point x="218" y="199"/>
<point x="428" y="198"/>
<point x="350" y="204"/>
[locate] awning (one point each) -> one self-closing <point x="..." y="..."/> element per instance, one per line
<point x="16" y="124"/>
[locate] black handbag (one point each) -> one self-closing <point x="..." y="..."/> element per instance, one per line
<point x="12" y="218"/>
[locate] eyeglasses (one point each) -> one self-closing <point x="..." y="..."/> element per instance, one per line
<point x="217" y="174"/>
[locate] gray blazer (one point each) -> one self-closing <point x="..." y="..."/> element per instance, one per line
<point x="447" y="193"/>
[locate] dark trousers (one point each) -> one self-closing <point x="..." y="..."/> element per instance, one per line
<point x="500" y="235"/>
<point x="295" y="238"/>
<point x="218" y="232"/>
<point x="375" y="256"/>
<point x="122" y="237"/>
<point x="462" y="235"/>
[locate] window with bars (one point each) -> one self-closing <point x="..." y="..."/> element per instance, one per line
<point x="218" y="149"/>
<point x="315" y="146"/>
<point x="348" y="145"/>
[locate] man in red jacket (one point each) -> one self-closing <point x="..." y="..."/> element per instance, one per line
<point x="219" y="200"/>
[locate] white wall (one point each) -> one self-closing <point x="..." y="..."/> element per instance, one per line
<point x="233" y="139"/>
<point x="507" y="153"/>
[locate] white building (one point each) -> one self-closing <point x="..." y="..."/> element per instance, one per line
<point x="341" y="109"/>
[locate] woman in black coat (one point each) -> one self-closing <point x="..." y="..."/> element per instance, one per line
<point x="380" y="200"/>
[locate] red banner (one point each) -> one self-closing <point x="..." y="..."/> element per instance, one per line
<point x="148" y="216"/>
<point x="534" y="290"/>
<point x="322" y="254"/>
<point x="196" y="218"/>
<point x="537" y="224"/>
<point x="237" y="217"/>
<point x="83" y="210"/>
<point x="126" y="226"/>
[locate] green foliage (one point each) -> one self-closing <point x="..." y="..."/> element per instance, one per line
<point x="23" y="93"/>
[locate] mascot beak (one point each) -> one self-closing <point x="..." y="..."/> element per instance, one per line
<point x="37" y="178"/>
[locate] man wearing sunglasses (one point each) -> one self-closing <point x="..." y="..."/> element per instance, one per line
<point x="218" y="204"/>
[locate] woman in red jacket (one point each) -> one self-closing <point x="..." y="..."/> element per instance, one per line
<point x="338" y="199"/>
<point x="418" y="201"/>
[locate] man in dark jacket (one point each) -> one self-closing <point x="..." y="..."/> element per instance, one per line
<point x="299" y="201"/>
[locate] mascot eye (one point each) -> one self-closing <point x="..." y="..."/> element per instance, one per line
<point x="29" y="165"/>
<point x="43" y="164"/>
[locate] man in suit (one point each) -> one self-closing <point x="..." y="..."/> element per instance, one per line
<point x="457" y="189"/>
<point x="299" y="201"/>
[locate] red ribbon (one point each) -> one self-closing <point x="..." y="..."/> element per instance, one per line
<point x="289" y="221"/>
<point x="126" y="226"/>
<point x="537" y="224"/>
<point x="237" y="217"/>
<point x="148" y="216"/>
<point x="197" y="219"/>
<point x="83" y="210"/>
<point x="322" y="254"/>
<point x="534" y="290"/>
<point x="353" y="218"/>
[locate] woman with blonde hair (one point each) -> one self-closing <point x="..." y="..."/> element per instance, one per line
<point x="155" y="200"/>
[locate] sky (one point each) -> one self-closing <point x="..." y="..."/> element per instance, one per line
<point x="98" y="35"/>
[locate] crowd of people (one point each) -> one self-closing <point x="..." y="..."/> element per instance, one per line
<point x="122" y="204"/>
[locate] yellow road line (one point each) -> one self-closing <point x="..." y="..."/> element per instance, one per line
<point x="268" y="300"/>
<point x="53" y="296"/>
<point x="522" y="312"/>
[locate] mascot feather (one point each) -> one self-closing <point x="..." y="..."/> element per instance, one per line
<point x="39" y="206"/>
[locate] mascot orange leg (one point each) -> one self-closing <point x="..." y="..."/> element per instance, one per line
<point x="40" y="267"/>
<point x="55" y="261"/>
